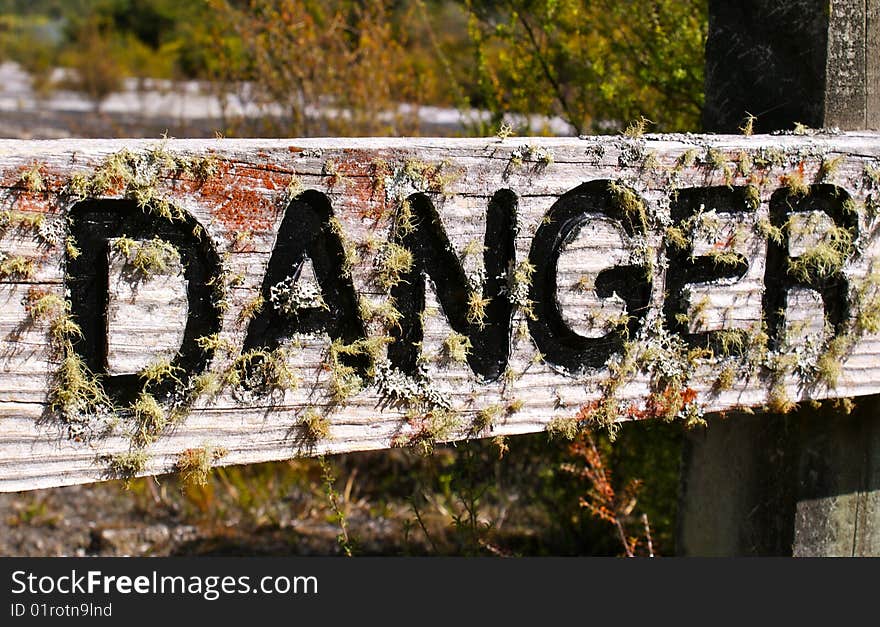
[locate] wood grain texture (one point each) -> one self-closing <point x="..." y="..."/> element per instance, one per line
<point x="241" y="203"/>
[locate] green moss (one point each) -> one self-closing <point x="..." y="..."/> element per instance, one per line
<point x="676" y="237"/>
<point x="315" y="426"/>
<point x="344" y="379"/>
<point x="872" y="174"/>
<point x="71" y="248"/>
<point x="215" y="344"/>
<point x="724" y="256"/>
<point x="149" y="258"/>
<point x="160" y="371"/>
<point x="32" y="179"/>
<point x="333" y="172"/>
<point x="500" y="443"/>
<point x="202" y="168"/>
<point x="20" y="220"/>
<point x="404" y="219"/>
<point x="651" y="162"/>
<point x="825" y="258"/>
<point x="430" y="177"/>
<point x="205" y="385"/>
<point x="605" y="415"/>
<point x="350" y="255"/>
<point x="436" y="425"/>
<point x="473" y="248"/>
<point x="78" y="186"/>
<point x="505" y="130"/>
<point x="294" y="188"/>
<point x="392" y="262"/>
<point x="744" y="163"/>
<point x="715" y="159"/>
<point x="753" y="196"/>
<point x="149" y="419"/>
<point x="687" y="159"/>
<point x="456" y="347"/>
<point x="725" y="379"/>
<point x="385" y="313"/>
<point x="520" y="286"/>
<point x="63" y="329"/>
<point x="262" y="370"/>
<point x="16" y="267"/>
<point x="778" y="400"/>
<point x="127" y="465"/>
<point x="766" y="229"/>
<point x="476" y="313"/>
<point x="748" y="127"/>
<point x="829" y="367"/>
<point x="829" y="167"/>
<point x="732" y="341"/>
<point x="251" y="309"/>
<point x="485" y="419"/>
<point x="541" y="157"/>
<point x="41" y="305"/>
<point x="796" y="184"/>
<point x="565" y="428"/>
<point x="195" y="464"/>
<point x="867" y="301"/>
<point x="76" y="391"/>
<point x="629" y="202"/>
<point x="850" y="206"/>
<point x="769" y="157"/>
<point x="138" y="176"/>
<point x="637" y="128"/>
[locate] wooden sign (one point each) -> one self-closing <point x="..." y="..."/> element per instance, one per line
<point x="172" y="305"/>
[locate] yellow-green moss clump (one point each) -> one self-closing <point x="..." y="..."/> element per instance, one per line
<point x="195" y="464"/>
<point x="314" y="426"/>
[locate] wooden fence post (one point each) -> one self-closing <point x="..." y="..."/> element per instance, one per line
<point x="807" y="483"/>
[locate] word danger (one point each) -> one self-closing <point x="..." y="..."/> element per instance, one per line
<point x="623" y="281"/>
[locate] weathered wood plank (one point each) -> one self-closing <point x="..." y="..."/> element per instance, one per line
<point x="629" y="278"/>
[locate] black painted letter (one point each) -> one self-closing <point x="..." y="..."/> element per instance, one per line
<point x="559" y="344"/>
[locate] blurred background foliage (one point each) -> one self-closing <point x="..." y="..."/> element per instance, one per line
<point x="348" y="67"/>
<point x="361" y="67"/>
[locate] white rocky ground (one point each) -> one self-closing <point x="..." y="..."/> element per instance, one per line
<point x="147" y="108"/>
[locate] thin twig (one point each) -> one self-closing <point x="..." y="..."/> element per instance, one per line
<point x="620" y="530"/>
<point x="548" y="73"/>
<point x="648" y="535"/>
<point x="333" y="499"/>
<point x="424" y="529"/>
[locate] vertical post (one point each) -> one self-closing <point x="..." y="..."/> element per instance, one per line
<point x="789" y="61"/>
<point x="807" y="483"/>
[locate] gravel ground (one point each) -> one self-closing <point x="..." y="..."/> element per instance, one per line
<point x="108" y="520"/>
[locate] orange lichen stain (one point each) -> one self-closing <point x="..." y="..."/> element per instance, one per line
<point x="29" y="202"/>
<point x="786" y="178"/>
<point x="659" y="405"/>
<point x="662" y="404"/>
<point x="51" y="180"/>
<point x="238" y="198"/>
<point x="361" y="177"/>
<point x="756" y="178"/>
<point x="266" y="177"/>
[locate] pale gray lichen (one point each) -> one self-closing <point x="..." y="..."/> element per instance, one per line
<point x="412" y="391"/>
<point x="530" y="154"/>
<point x="290" y="297"/>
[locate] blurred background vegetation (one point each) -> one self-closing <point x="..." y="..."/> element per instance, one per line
<point x="349" y="67"/>
<point x="360" y="67"/>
